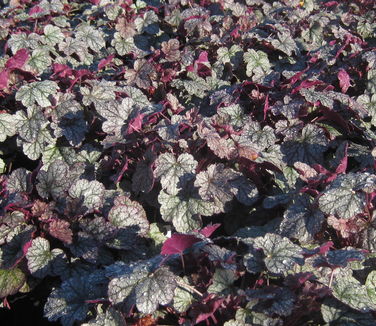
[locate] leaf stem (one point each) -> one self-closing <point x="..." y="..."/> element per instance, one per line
<point x="189" y="288"/>
<point x="331" y="279"/>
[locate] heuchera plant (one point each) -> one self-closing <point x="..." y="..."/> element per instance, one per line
<point x="187" y="162"/>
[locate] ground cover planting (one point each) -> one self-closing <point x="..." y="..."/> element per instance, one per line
<point x="188" y="162"/>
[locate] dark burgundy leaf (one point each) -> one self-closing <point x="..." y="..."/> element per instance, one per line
<point x="4" y="79"/>
<point x="344" y="80"/>
<point x="18" y="60"/>
<point x="207" y="231"/>
<point x="178" y="243"/>
<point x="105" y="62"/>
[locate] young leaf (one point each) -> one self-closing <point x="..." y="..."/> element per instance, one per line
<point x="222" y="147"/>
<point x="171" y="50"/>
<point x="344" y="80"/>
<point x="60" y="229"/>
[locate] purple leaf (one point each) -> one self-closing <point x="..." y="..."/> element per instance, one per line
<point x="342" y="166"/>
<point x="35" y="10"/>
<point x="4" y="79"/>
<point x="178" y="243"/>
<point x="18" y="60"/>
<point x="106" y="61"/>
<point x="344" y="80"/>
<point x="207" y="231"/>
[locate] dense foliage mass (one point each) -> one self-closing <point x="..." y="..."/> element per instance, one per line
<point x="189" y="162"/>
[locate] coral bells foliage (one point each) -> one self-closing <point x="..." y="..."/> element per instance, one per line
<point x="189" y="162"/>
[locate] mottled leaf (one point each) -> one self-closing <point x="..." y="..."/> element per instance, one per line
<point x="11" y="280"/>
<point x="19" y="181"/>
<point x="116" y="115"/>
<point x="37" y="92"/>
<point x="12" y="251"/>
<point x="301" y="220"/>
<point x="174" y="172"/>
<point x="42" y="261"/>
<point x="343" y="197"/>
<point x="280" y="253"/>
<point x="69" y="303"/>
<point x="92" y="37"/>
<point x="337" y="314"/>
<point x="285" y="43"/>
<point x="129" y="215"/>
<point x="69" y="121"/>
<point x="184" y="211"/>
<point x="182" y="299"/>
<point x="145" y="290"/>
<point x="110" y="318"/>
<point x="307" y="148"/>
<point x="89" y="192"/>
<point x="7" y="126"/>
<point x="222" y="281"/>
<point x="258" y="64"/>
<point x="54" y="181"/>
<point x="351" y="292"/>
<point x="215" y="185"/>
